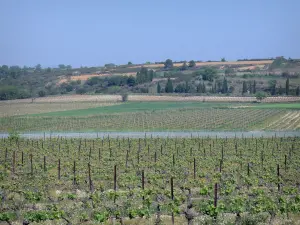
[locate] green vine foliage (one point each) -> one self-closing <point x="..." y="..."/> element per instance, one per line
<point x="73" y="179"/>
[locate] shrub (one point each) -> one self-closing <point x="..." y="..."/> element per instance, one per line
<point x="124" y="97"/>
<point x="260" y="95"/>
<point x="81" y="91"/>
<point x="42" y="93"/>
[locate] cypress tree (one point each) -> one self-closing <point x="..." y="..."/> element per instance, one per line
<point x="158" y="88"/>
<point x="254" y="87"/>
<point x="225" y="86"/>
<point x="186" y="87"/>
<point x="273" y="89"/>
<point x="215" y="87"/>
<point x="199" y="88"/>
<point x="203" y="88"/>
<point x="244" y="87"/>
<point x="184" y="66"/>
<point x="169" y="86"/>
<point x="280" y="91"/>
<point x="287" y="86"/>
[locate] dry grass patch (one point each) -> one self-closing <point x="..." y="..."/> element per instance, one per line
<point x="84" y="77"/>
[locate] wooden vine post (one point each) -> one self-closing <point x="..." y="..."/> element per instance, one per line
<point x="14" y="162"/>
<point x="172" y="197"/>
<point x="194" y="168"/>
<point x="115" y="181"/>
<point x="278" y="176"/>
<point x="143" y="183"/>
<point x="74" y="173"/>
<point x="216" y="195"/>
<point x="90" y="178"/>
<point x="58" y="169"/>
<point x="45" y="168"/>
<point x="31" y="165"/>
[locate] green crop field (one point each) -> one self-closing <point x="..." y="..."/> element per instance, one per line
<point x="137" y="107"/>
<point x="153" y="106"/>
<point x="150" y="180"/>
<point x="161" y="116"/>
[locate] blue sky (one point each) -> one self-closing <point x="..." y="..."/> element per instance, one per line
<point x="95" y="32"/>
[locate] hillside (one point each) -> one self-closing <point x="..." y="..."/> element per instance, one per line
<point x="236" y="78"/>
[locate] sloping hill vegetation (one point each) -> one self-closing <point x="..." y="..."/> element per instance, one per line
<point x="241" y="78"/>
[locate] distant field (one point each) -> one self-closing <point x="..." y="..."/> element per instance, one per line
<point x="212" y="63"/>
<point x="69" y="98"/>
<point x="136" y="107"/>
<point x="157" y="116"/>
<point x="154" y="106"/>
<point x="187" y="119"/>
<point x="23" y="108"/>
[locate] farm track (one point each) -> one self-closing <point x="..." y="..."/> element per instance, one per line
<point x="116" y="98"/>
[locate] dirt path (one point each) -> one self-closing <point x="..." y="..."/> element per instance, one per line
<point x="115" y="98"/>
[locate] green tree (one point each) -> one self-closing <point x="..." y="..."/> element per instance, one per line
<point x="254" y="87"/>
<point x="287" y="86"/>
<point x="192" y="63"/>
<point x="224" y="86"/>
<point x="81" y="91"/>
<point x="208" y="73"/>
<point x="169" y="86"/>
<point x="129" y="63"/>
<point x="272" y="87"/>
<point x="158" y="88"/>
<point x="42" y="93"/>
<point x="260" y="95"/>
<point x="199" y="88"/>
<point x="144" y="75"/>
<point x="223" y="59"/>
<point x="150" y="75"/>
<point x="61" y="66"/>
<point x="184" y="66"/>
<point x="298" y="91"/>
<point x="168" y="64"/>
<point x="187" y="87"/>
<point x="228" y="71"/>
<point x="244" y="87"/>
<point x="38" y="68"/>
<point x="215" y="88"/>
<point x="131" y="81"/>
<point x="180" y="88"/>
<point x="278" y="63"/>
<point x="124" y="97"/>
<point x="8" y="92"/>
<point x="203" y="87"/>
<point x="280" y="91"/>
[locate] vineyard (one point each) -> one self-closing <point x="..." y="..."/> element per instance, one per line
<point x="23" y="108"/>
<point x="188" y="119"/>
<point x="150" y="181"/>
